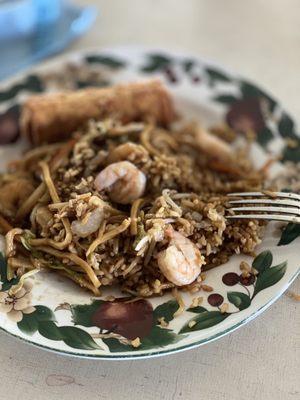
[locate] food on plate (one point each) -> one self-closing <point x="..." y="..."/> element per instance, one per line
<point x="55" y="116"/>
<point x="128" y="198"/>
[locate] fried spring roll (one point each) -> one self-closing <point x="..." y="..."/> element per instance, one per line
<point x="53" y="117"/>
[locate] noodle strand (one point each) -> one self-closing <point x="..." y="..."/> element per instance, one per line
<point x="76" y="259"/>
<point x="31" y="201"/>
<point x="109" y="235"/>
<point x="55" y="198"/>
<point x="133" y="215"/>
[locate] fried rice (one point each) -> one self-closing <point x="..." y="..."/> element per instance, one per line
<point x="185" y="189"/>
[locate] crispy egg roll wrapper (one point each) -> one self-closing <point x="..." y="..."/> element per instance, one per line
<point x="53" y="117"/>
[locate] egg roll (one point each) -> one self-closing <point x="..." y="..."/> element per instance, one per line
<point x="52" y="117"/>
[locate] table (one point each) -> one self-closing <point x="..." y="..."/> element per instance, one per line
<point x="261" y="40"/>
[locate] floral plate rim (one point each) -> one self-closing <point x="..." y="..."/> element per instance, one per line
<point x="153" y="352"/>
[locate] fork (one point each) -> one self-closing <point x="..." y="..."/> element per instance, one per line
<point x="279" y="206"/>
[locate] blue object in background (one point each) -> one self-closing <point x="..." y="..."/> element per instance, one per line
<point x="33" y="29"/>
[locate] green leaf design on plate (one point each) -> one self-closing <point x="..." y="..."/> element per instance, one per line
<point x="215" y="75"/>
<point x="290" y="233"/>
<point x="291" y="153"/>
<point x="158" y="337"/>
<point x="269" y="277"/>
<point x="166" y="311"/>
<point x="240" y="300"/>
<point x="156" y="62"/>
<point x="77" y="338"/>
<point x="43" y="321"/>
<point x="6" y="284"/>
<point x="225" y="98"/>
<point x="286" y="127"/>
<point x="109" y="61"/>
<point x="43" y="313"/>
<point x="29" y="324"/>
<point x="263" y="261"/>
<point x="250" y="90"/>
<point x="82" y="314"/>
<point x="204" y="320"/>
<point x="50" y="330"/>
<point x="115" y="346"/>
<point x="3" y="268"/>
<point x="32" y="83"/>
<point x="197" y="310"/>
<point x="188" y="65"/>
<point x="264" y="136"/>
<point x="91" y="83"/>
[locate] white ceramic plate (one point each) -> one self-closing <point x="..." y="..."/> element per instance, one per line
<point x="54" y="314"/>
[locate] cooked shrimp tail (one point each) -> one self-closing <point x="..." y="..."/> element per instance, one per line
<point x="123" y="181"/>
<point x="181" y="261"/>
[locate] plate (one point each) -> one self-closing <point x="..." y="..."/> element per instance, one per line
<point x="53" y="314"/>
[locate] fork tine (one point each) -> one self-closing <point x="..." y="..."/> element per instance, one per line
<point x="284" y="207"/>
<point x="275" y="202"/>
<point x="260" y="194"/>
<point x="284" y="210"/>
<point x="274" y="217"/>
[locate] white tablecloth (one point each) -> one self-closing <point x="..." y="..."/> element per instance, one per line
<point x="261" y="40"/>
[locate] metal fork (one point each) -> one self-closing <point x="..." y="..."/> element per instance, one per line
<point x="279" y="206"/>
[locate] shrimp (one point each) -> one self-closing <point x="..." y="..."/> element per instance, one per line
<point x="181" y="261"/>
<point x="89" y="225"/>
<point x="123" y="181"/>
<point x="212" y="145"/>
<point x="127" y="151"/>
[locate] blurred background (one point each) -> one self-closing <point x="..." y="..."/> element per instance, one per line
<point x="259" y="39"/>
